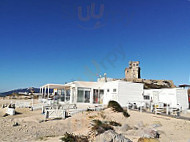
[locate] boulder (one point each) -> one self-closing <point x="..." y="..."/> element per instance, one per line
<point x="153" y="84"/>
<point x="125" y="128"/>
<point x="148" y="133"/>
<point x="156" y="125"/>
<point x="139" y="125"/>
<point x="111" y="136"/>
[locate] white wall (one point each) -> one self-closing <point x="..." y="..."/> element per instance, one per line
<point x="182" y="98"/>
<point x="168" y="96"/>
<point x="130" y="93"/>
<point x="110" y="95"/>
<point x="125" y="92"/>
<point x="172" y="96"/>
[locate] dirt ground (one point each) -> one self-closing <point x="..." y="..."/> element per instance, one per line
<point x="31" y="125"/>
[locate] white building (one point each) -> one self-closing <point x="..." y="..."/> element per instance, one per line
<point x="123" y="92"/>
<point x="96" y="92"/>
<point x="175" y="97"/>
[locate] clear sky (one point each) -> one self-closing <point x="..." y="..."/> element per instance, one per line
<point x="58" y="41"/>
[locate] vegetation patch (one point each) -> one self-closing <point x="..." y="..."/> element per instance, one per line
<point x="102" y="115"/>
<point x="100" y="127"/>
<point x="92" y="116"/>
<point x="115" y="106"/>
<point x="73" y="138"/>
<point x="113" y="123"/>
<point x="126" y="114"/>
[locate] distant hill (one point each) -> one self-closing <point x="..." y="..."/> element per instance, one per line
<point x="36" y="90"/>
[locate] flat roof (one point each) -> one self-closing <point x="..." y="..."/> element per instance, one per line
<point x="54" y="86"/>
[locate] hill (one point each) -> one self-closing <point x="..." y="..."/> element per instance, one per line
<point x="28" y="90"/>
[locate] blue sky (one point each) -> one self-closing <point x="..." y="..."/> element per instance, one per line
<point x="46" y="41"/>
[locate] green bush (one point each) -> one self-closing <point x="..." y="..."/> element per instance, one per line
<point x="117" y="108"/>
<point x="100" y="127"/>
<point x="73" y="138"/>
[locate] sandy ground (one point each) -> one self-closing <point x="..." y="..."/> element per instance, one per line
<point x="31" y="127"/>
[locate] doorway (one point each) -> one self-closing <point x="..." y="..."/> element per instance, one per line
<point x="98" y="96"/>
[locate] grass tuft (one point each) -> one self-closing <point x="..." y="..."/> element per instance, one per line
<point x="73" y="138"/>
<point x="114" y="123"/>
<point x="100" y="127"/>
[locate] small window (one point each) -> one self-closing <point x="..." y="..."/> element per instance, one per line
<point x="114" y="90"/>
<point x="102" y="92"/>
<point x="146" y="97"/>
<point x="108" y="90"/>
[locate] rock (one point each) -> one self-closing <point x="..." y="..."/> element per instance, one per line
<point x="125" y="128"/>
<point x="148" y="140"/>
<point x="111" y="136"/>
<point x="153" y="84"/>
<point x="148" y="133"/>
<point x="15" y="124"/>
<point x="156" y="124"/>
<point x="140" y="125"/>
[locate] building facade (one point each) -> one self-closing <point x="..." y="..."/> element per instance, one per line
<point x="80" y="92"/>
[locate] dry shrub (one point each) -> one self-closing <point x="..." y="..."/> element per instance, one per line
<point x="115" y="106"/>
<point x="73" y="138"/>
<point x="100" y="127"/>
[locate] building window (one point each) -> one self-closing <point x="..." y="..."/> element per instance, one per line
<point x="83" y="95"/>
<point x="108" y="90"/>
<point x="102" y="92"/>
<point x="67" y="95"/>
<point x="80" y="96"/>
<point x="114" y="90"/>
<point x="146" y="97"/>
<point x="87" y="97"/>
<point x="98" y="96"/>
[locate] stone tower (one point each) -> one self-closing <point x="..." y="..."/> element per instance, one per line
<point x="133" y="72"/>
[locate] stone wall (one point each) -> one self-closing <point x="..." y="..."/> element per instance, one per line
<point x="133" y="71"/>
